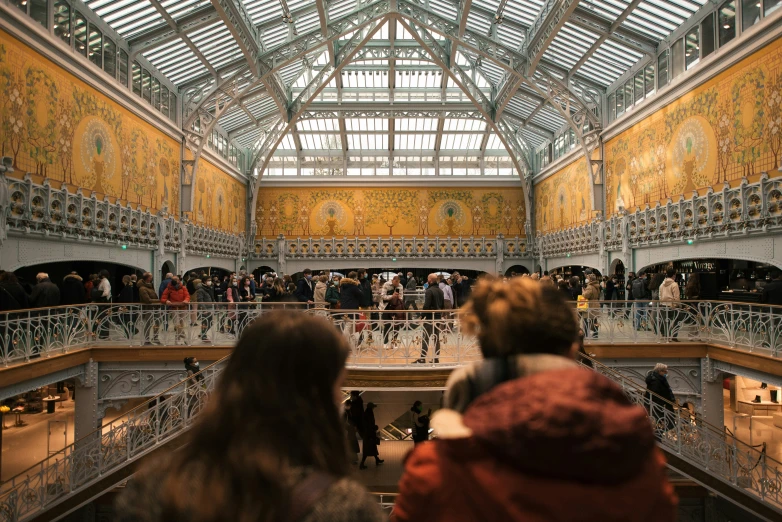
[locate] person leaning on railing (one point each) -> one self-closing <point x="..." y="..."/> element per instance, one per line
<point x="271" y="444"/>
<point x="150" y="306"/>
<point x="528" y="434"/>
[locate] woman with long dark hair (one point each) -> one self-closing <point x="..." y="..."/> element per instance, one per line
<point x="270" y="446"/>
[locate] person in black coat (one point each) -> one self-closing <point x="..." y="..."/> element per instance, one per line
<point x="660" y="396"/>
<point x="366" y="289"/>
<point x="772" y="292"/>
<point x="45" y="294"/>
<point x="434" y="299"/>
<point x="72" y="291"/>
<point x="350" y="295"/>
<point x="370" y="437"/>
<point x="12" y="295"/>
<point x="305" y="289"/>
<point x="357" y="410"/>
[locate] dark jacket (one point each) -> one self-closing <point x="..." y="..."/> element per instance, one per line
<point x="659" y="385"/>
<point x="772" y="293"/>
<point x="369" y="435"/>
<point x="610" y="289"/>
<point x="305" y="290"/>
<point x="434" y="299"/>
<point x="350" y="294"/>
<point x="163" y="286"/>
<point x="146" y="293"/>
<point x="523" y="451"/>
<point x="72" y="292"/>
<point x="410" y="288"/>
<point x="45" y="294"/>
<point x="13" y="297"/>
<point x="465" y="291"/>
<point x="203" y="295"/>
<point x="344" y="500"/>
<point x="366" y="293"/>
<point x="126" y="295"/>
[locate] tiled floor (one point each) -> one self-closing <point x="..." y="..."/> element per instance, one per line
<point x="384" y="478"/>
<point x="26" y="446"/>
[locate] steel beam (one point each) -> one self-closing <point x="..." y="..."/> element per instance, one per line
<point x="553" y="15"/>
<point x="241" y="27"/>
<point x="165" y="33"/>
<point x="196" y="51"/>
<point x="518" y="151"/>
<point x="604" y="36"/>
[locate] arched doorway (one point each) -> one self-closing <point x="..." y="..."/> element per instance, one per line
<point x="168" y="268"/>
<point x="516" y="270"/>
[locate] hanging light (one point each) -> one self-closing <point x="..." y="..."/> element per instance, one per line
<point x="287" y="18"/>
<point x="498" y="18"/>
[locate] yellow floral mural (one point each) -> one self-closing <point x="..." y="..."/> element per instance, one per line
<point x="55" y="126"/>
<point x="220" y="200"/>
<point x="726" y="129"/>
<point x="563" y="199"/>
<point x="303" y="212"/>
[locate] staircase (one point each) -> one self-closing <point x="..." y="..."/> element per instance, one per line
<point x="707" y="454"/>
<point x="106" y="457"/>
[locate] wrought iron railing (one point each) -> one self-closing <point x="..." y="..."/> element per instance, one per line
<point x="703" y="445"/>
<point x="104" y="451"/>
<point x="381" y="339"/>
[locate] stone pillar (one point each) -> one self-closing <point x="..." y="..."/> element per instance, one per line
<point x="712" y="407"/>
<point x="86" y="414"/>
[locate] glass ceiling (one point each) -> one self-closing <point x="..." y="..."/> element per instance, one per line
<point x="189" y="42"/>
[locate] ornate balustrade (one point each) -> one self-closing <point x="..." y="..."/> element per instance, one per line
<point x="746" y="209"/>
<point x="82" y="464"/>
<point x="387" y="247"/>
<point x="383" y="341"/>
<point x="708" y="447"/>
<point x="29" y="208"/>
<point x="86" y="461"/>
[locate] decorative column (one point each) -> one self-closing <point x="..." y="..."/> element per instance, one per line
<point x="281" y="268"/>
<point x="86" y="416"/>
<point x="500" y="252"/>
<point x="712" y="408"/>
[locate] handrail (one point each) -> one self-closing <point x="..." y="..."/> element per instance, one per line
<point x="735" y="463"/>
<point x="103" y="451"/>
<point x="27" y="334"/>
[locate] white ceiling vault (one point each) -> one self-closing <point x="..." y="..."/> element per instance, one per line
<point x="356" y="87"/>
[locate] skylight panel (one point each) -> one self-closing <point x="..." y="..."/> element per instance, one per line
<point x="494" y="143"/>
<point x="287" y="143"/>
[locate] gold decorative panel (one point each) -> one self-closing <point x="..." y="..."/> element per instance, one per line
<point x="57" y="127"/>
<point x="220" y="200"/>
<point x="563" y="199"/>
<point x="411" y="211"/>
<point x="726" y="129"/>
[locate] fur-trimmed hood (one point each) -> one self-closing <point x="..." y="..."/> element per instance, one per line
<point x="72" y="276"/>
<point x="347" y="281"/>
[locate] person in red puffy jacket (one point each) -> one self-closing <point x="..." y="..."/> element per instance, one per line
<point x="177" y="298"/>
<point x="529" y="435"/>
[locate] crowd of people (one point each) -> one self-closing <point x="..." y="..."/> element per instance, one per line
<point x="520" y="436"/>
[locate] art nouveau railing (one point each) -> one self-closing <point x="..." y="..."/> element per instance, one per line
<point x="706" y="446"/>
<point x="41" y="209"/>
<point x="377" y="339"/>
<point x="107" y="449"/>
<point x="745" y="209"/>
<point x="97" y="455"/>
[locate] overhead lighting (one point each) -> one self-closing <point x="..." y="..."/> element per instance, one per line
<point x="498" y="19"/>
<point x="287" y="18"/>
<point x="726" y="26"/>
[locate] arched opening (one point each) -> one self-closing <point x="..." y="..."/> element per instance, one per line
<point x="58" y="270"/>
<point x="168" y="268"/>
<point x="263" y="270"/>
<point x="516" y="270"/>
